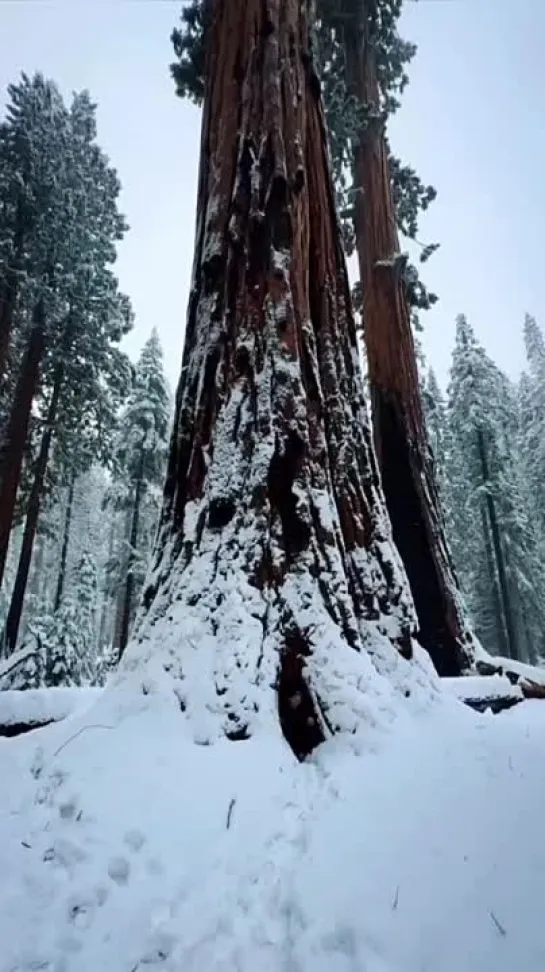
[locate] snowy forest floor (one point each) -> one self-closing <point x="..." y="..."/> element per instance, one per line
<point x="417" y="848"/>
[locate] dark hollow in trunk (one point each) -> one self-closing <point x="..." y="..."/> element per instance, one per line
<point x="274" y="536"/>
<point x="398" y="417"/>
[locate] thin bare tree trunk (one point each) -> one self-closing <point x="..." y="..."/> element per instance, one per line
<point x="35" y="586"/>
<point x="133" y="541"/>
<point x="274" y="547"/>
<point x="105" y="619"/>
<point x="398" y="417"/>
<point x="120" y="598"/>
<point x="61" y="576"/>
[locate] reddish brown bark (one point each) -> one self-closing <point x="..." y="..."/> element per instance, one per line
<point x="15" y="612"/>
<point x="398" y="419"/>
<point x="9" y="287"/>
<point x="272" y="487"/>
<point x="7" y="305"/>
<point x="16" y="432"/>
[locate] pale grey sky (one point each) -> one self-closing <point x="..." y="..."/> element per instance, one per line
<point x="472" y="123"/>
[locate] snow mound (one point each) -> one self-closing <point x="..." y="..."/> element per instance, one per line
<point x="413" y="846"/>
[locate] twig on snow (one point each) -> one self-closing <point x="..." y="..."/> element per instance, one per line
<point x="396" y="899"/>
<point x="230" y="812"/>
<point x="78" y="733"/>
<point x="498" y="925"/>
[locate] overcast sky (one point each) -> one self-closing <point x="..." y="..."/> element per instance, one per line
<point x="472" y="123"/>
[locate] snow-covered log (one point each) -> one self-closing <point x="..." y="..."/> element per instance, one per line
<point x="482" y="692"/>
<point x="23" y="711"/>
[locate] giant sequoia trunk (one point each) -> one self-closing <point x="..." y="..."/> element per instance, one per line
<point x="398" y="418"/>
<point x="13" y="620"/>
<point x="277" y="591"/>
<point x="15" y="435"/>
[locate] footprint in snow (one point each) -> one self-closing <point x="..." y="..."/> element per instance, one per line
<point x="135" y="840"/>
<point x="64" y="855"/>
<point x="154" y="867"/>
<point x="119" y="870"/>
<point x="82" y="908"/>
<point x="69" y="810"/>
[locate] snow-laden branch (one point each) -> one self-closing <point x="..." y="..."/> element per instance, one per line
<point x="8" y="665"/>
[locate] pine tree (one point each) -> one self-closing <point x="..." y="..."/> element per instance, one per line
<point x="532" y="413"/>
<point x="439" y="434"/>
<point x="106" y="663"/>
<point x="141" y="461"/>
<point x="503" y="562"/>
<point x="74" y="308"/>
<point x="275" y="565"/>
<point x="32" y="140"/>
<point x="65" y="642"/>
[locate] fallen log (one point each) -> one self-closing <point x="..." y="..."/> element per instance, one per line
<point x="491" y="692"/>
<point x="23" y="710"/>
<point x="531" y="690"/>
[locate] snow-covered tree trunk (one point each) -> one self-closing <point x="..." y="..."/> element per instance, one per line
<point x="277" y="589"/>
<point x="398" y="417"/>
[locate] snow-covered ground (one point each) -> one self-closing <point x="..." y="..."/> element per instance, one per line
<point x="415" y="847"/>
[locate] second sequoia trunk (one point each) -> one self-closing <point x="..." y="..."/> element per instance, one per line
<point x="277" y="585"/>
<point x="398" y="418"/>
